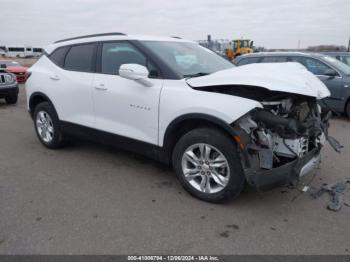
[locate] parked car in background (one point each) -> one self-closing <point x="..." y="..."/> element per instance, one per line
<point x="333" y="73"/>
<point x="218" y="125"/>
<point x="17" y="69"/>
<point x="8" y="85"/>
<point x="341" y="56"/>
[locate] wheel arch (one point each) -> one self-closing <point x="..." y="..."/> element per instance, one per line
<point x="185" y="123"/>
<point x="37" y="98"/>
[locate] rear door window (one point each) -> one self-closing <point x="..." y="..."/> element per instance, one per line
<point x="80" y="58"/>
<point x="274" y="59"/>
<point x="249" y="60"/>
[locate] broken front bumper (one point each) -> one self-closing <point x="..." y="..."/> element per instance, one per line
<point x="287" y="174"/>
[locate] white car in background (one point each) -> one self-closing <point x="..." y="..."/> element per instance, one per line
<point x="218" y="125"/>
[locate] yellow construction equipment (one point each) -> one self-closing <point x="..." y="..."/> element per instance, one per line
<point x="239" y="47"/>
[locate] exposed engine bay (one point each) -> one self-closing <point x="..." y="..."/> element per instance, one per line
<point x="289" y="128"/>
<point x="284" y="130"/>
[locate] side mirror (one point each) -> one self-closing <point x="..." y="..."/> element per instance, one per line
<point x="135" y="72"/>
<point x="331" y="73"/>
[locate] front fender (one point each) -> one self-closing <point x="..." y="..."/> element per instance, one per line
<point x="176" y="102"/>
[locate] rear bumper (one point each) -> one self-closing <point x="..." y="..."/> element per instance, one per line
<point x="8" y="90"/>
<point x="287" y="174"/>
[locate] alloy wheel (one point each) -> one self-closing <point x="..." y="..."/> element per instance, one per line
<point x="205" y="168"/>
<point x="44" y="126"/>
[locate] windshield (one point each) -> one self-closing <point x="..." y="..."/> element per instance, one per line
<point x="337" y="64"/>
<point x="9" y="63"/>
<point x="188" y="59"/>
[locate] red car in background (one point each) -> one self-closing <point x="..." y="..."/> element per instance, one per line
<point x="17" y="69"/>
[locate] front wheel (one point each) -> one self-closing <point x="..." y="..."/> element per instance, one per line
<point x="207" y="163"/>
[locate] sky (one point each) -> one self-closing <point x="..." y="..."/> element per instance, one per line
<point x="270" y="23"/>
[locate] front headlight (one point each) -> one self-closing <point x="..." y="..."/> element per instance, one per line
<point x="10" y="78"/>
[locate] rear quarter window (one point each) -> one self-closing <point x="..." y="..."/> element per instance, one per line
<point x="80" y="58"/>
<point x="58" y="56"/>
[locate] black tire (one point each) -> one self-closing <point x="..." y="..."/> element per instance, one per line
<point x="11" y="99"/>
<point x="226" y="145"/>
<point x="57" y="137"/>
<point x="347" y="109"/>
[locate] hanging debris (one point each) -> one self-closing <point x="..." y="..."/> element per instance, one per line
<point x="336" y="192"/>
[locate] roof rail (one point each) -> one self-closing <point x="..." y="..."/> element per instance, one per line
<point x="87" y="36"/>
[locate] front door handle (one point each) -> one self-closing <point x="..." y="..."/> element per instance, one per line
<point x="54" y="77"/>
<point x="101" y="87"/>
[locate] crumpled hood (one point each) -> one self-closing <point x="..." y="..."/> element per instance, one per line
<point x="283" y="77"/>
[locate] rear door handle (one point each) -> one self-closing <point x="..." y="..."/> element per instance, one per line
<point x="101" y="87"/>
<point x="54" y="77"/>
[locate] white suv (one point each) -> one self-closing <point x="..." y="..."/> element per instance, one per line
<point x="218" y="125"/>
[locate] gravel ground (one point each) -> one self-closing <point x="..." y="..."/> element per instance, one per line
<point x="89" y="199"/>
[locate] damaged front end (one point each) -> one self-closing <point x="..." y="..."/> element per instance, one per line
<point x="281" y="142"/>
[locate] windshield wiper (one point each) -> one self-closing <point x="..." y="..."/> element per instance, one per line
<point x="196" y="75"/>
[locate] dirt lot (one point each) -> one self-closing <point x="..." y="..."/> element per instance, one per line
<point x="89" y="199"/>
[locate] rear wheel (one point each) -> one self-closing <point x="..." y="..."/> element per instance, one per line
<point x="207" y="163"/>
<point x="47" y="126"/>
<point x="11" y="99"/>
